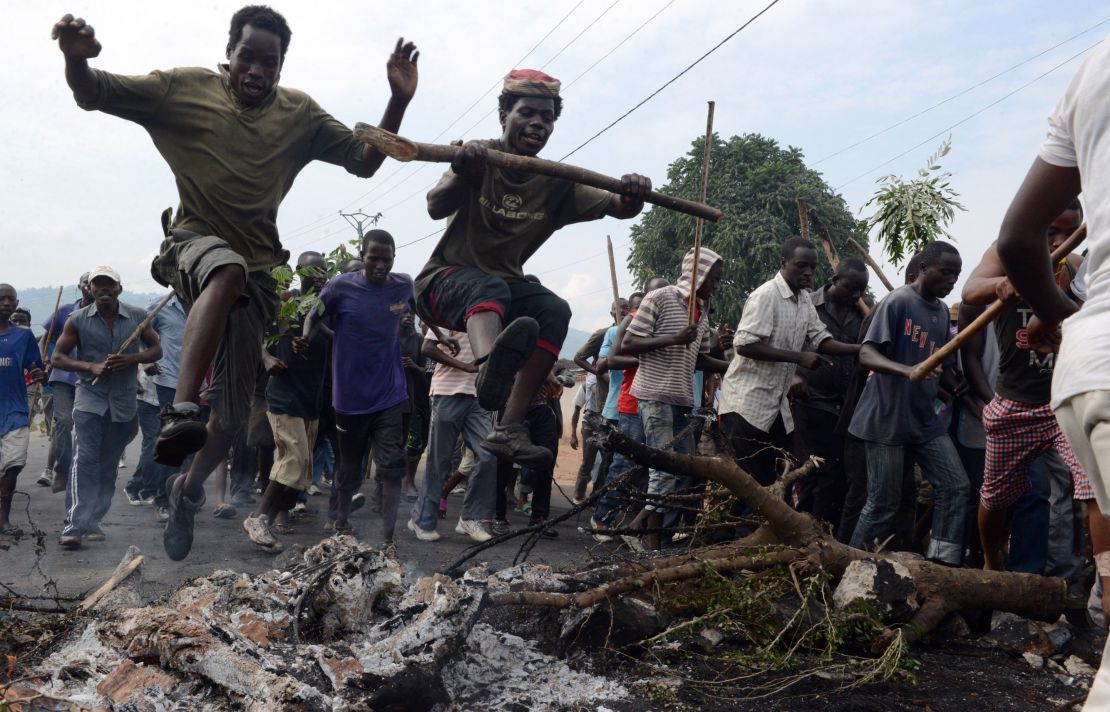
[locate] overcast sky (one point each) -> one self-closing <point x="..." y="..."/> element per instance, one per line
<point x="82" y="188"/>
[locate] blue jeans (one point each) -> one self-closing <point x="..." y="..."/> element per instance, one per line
<point x="61" y="431"/>
<point x="149" y="478"/>
<point x="97" y="446"/>
<point x="323" y="460"/>
<point x="941" y="464"/>
<point x="662" y="421"/>
<point x="615" y="499"/>
<point x="1029" y="524"/>
<point x="453" y="416"/>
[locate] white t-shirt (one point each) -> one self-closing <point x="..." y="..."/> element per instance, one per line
<point x="1079" y="136"/>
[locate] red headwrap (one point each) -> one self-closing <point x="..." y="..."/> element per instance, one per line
<point x="531" y="82"/>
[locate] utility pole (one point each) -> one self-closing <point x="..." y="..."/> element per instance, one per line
<point x="359" y="220"/>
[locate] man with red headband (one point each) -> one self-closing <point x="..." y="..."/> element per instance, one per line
<point x="497" y="219"/>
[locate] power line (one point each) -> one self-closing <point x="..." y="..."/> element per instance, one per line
<point x="584" y="30"/>
<point x="970" y="116"/>
<point x="959" y="94"/>
<point x="673" y="79"/>
<point x="421" y="239"/>
<point x="618" y="45"/>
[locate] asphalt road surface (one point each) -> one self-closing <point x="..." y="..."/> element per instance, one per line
<point x="222" y="543"/>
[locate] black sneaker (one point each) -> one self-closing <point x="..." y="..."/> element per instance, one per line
<point x="512" y="443"/>
<point x="182" y="434"/>
<point x="177" y="538"/>
<point x="358" y="501"/>
<point x="513" y="347"/>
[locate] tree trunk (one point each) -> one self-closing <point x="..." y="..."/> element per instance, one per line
<point x="940" y="589"/>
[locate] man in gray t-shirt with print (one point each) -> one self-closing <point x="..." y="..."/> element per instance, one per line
<point x="895" y="415"/>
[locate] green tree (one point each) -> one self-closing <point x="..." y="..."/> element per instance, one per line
<point x="755" y="183"/>
<point x="912" y="213"/>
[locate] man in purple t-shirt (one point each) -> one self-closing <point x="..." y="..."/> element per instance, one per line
<point x="368" y="381"/>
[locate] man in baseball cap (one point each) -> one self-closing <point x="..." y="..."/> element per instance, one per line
<point x="105" y="404"/>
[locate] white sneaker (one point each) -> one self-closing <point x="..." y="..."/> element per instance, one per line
<point x="598" y="530"/>
<point x="258" y="530"/>
<point x="300" y="508"/>
<point x="473" y="529"/>
<point x="634" y="543"/>
<point x="313" y="490"/>
<point x="46" y="478"/>
<point x="423" y="534"/>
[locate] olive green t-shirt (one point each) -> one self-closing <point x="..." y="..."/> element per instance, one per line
<point x="505" y="220"/>
<point x="233" y="164"/>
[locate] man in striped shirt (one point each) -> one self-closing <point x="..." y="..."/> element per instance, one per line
<point x="670" y="348"/>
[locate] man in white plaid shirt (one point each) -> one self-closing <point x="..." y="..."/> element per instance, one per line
<point x="779" y="331"/>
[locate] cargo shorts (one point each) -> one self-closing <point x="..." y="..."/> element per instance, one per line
<point x="185" y="263"/>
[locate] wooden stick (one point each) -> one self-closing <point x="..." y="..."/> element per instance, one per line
<point x="613" y="280"/>
<point x="699" y="223"/>
<point x="803" y="219"/>
<point x="111" y="583"/>
<point x="938" y="357"/>
<point x="141" y="327"/>
<point x="871" y="263"/>
<point x="403" y="149"/>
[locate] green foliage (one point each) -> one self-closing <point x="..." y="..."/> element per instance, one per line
<point x="777" y="620"/>
<point x="910" y="214"/>
<point x="755" y="183"/>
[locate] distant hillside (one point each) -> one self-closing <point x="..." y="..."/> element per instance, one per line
<point x="575" y="339"/>
<point x="40" y="301"/>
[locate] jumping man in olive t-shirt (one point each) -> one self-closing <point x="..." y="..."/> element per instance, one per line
<point x="498" y="218"/>
<point x="235" y="141"/>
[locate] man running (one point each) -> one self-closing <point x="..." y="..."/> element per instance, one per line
<point x="235" y="142"/>
<point x="369" y="392"/>
<point x="19" y="355"/>
<point x="474" y="281"/>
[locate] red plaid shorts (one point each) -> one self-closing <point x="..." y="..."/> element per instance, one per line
<point x="1017" y="434"/>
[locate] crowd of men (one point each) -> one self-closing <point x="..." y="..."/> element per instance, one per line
<point x="981" y="463"/>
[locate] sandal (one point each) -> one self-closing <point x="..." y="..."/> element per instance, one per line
<point x="224" y="511"/>
<point x="282" y="529"/>
<point x="11" y="530"/>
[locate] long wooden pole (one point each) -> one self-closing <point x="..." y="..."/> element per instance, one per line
<point x="699" y="224"/>
<point x="402" y="149"/>
<point x="803" y="219"/>
<point x="938" y="357"/>
<point x="871" y="263"/>
<point x="613" y="280"/>
<point x="44" y="347"/>
<point x="141" y="328"/>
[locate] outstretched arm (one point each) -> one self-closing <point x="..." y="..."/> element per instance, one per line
<point x="430" y="348"/>
<point x="77" y="41"/>
<point x="988" y="281"/>
<point x="402" y="75"/>
<point x="1046" y="192"/>
<point x="634" y="344"/>
<point x="630" y="201"/>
